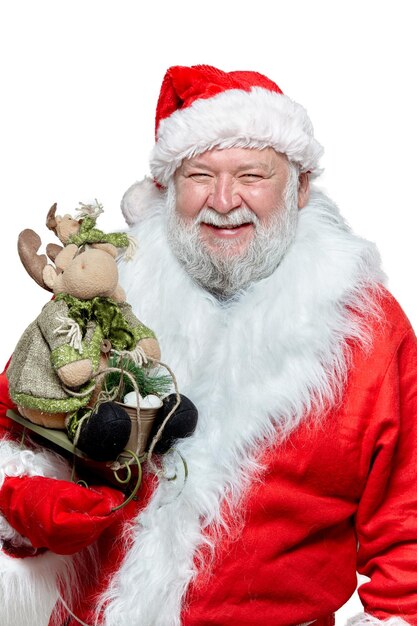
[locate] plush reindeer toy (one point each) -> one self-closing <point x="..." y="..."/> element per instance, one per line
<point x="53" y="372"/>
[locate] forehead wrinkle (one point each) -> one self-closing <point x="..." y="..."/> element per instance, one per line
<point x="254" y="165"/>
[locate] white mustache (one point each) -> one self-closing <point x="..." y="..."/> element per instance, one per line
<point x="236" y="217"/>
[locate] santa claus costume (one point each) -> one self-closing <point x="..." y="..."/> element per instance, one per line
<point x="303" y="466"/>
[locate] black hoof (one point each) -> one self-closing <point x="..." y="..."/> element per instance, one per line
<point x="105" y="433"/>
<point x="181" y="424"/>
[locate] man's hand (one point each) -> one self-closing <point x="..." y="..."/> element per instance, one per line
<point x="57" y="514"/>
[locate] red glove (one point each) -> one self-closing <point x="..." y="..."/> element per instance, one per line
<point x="57" y="514"/>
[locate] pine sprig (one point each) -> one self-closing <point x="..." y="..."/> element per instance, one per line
<point x="147" y="383"/>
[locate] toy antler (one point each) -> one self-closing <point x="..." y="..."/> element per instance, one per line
<point x="52" y="250"/>
<point x="51" y="221"/>
<point x="28" y="245"/>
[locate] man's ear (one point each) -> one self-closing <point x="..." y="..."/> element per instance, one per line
<point x="303" y="189"/>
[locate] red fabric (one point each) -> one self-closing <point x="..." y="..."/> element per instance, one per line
<point x="111" y="548"/>
<point x="56" y="514"/>
<point x="21" y="552"/>
<point x="326" y="621"/>
<point x="354" y="477"/>
<point x="6" y="424"/>
<point x="181" y="86"/>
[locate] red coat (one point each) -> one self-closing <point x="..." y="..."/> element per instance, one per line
<point x="347" y="480"/>
<point x="351" y="480"/>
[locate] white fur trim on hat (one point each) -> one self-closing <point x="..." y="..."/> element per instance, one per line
<point x="258" y="118"/>
<point x="140" y="199"/>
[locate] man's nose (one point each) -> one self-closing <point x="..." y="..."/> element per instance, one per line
<point x="224" y="196"/>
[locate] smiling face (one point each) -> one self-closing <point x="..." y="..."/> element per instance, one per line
<point x="228" y="191"/>
<point x="233" y="213"/>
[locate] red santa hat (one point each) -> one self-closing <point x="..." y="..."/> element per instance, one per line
<point x="201" y="108"/>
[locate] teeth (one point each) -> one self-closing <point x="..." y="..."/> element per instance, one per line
<point x="226" y="226"/>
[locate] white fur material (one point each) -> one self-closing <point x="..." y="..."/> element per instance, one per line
<point x="285" y="335"/>
<point x="139" y="199"/>
<point x="364" y="619"/>
<point x="257" y="118"/>
<point x="28" y="587"/>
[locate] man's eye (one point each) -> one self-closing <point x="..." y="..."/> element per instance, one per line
<point x="250" y="176"/>
<point x="199" y="176"/>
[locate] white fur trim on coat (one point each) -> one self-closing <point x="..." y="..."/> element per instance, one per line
<point x="364" y="619"/>
<point x="28" y="589"/>
<point x="258" y="118"/>
<point x="287" y="335"/>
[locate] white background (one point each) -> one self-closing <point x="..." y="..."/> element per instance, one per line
<point x="80" y="80"/>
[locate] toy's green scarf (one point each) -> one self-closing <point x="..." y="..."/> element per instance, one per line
<point x="106" y="313"/>
<point x="88" y="233"/>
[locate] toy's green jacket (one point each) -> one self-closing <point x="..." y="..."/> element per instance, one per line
<point x="45" y="346"/>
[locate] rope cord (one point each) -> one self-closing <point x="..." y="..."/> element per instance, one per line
<point x="78" y="394"/>
<point x="158" y="434"/>
<point x="105" y="396"/>
<point x="126" y="480"/>
<point x="22" y="440"/>
<point x="80" y="423"/>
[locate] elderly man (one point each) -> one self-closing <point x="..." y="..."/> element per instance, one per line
<point x="302" y="469"/>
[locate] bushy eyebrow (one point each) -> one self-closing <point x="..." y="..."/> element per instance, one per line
<point x="247" y="166"/>
<point x="255" y="165"/>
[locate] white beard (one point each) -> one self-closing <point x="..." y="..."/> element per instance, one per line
<point x="226" y="274"/>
